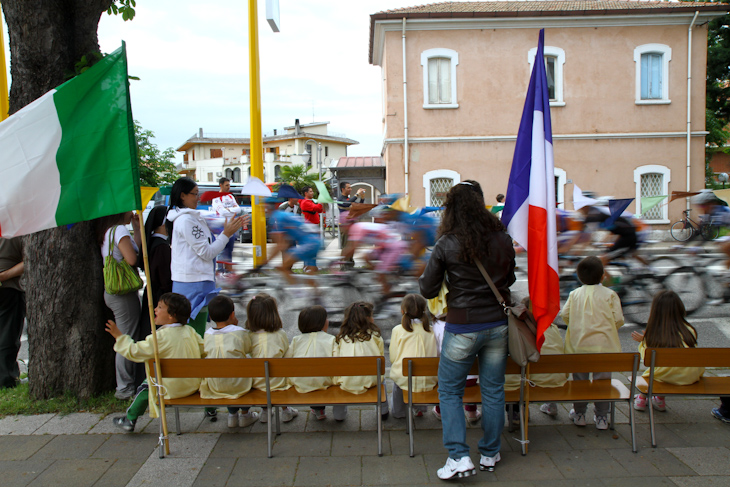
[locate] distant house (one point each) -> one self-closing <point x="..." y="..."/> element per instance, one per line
<point x="208" y="157"/>
<point x="361" y="172"/>
<point x="626" y="83"/>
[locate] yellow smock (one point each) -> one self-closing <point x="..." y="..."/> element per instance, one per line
<point x="315" y="344"/>
<point x="593" y="315"/>
<point x="553" y="345"/>
<point x="173" y="341"/>
<point x="417" y="343"/>
<point x="679" y="376"/>
<point x="346" y="348"/>
<point x="269" y="345"/>
<point x="229" y="342"/>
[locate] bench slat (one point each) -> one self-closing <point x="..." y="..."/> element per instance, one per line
<point x="581" y="390"/>
<point x="429" y="366"/>
<point x="331" y="396"/>
<point x="689" y="357"/>
<point x="706" y="386"/>
<point x="583" y="362"/>
<point x="472" y="395"/>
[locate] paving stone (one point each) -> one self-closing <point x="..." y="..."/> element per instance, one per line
<point x="638" y="482"/>
<point x="649" y="462"/>
<point x="691" y="410"/>
<point x="589" y="438"/>
<point x="21" y="447"/>
<point x="705" y="434"/>
<point x="395" y="469"/>
<point x="192" y="445"/>
<point x="535" y="466"/>
<point x="231" y="445"/>
<point x="703" y="481"/>
<point x="351" y="422"/>
<point x="318" y="471"/>
<point x="296" y="425"/>
<point x="704" y="460"/>
<point x="22" y="472"/>
<point x="106" y="426"/>
<point x="251" y="472"/>
<point x="215" y="472"/>
<point x="167" y="472"/>
<point x="368" y="421"/>
<point x="134" y="447"/>
<point x="570" y="483"/>
<point x="544" y="438"/>
<point x="189" y="422"/>
<point x="665" y="436"/>
<point x="79" y="472"/>
<point x="591" y="464"/>
<point x="304" y="444"/>
<point x="426" y="442"/>
<point x="360" y="443"/>
<point x="23" y="425"/>
<point x="120" y="473"/>
<point x="70" y="424"/>
<point x="68" y="447"/>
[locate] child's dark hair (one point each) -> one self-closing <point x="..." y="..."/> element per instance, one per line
<point x="590" y="270"/>
<point x="358" y="324"/>
<point x="667" y="326"/>
<point x="414" y="307"/>
<point x="220" y="308"/>
<point x="178" y="306"/>
<point x="263" y="314"/>
<point x="312" y="319"/>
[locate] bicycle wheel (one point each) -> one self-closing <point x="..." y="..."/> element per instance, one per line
<point x="709" y="232"/>
<point x="636" y="294"/>
<point x="681" y="231"/>
<point x="689" y="286"/>
<point x="663" y="264"/>
<point x="714" y="278"/>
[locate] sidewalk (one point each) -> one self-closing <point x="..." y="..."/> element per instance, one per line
<point x="85" y="449"/>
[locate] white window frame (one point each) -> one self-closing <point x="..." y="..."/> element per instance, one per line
<point x="441" y="53"/>
<point x="666" y="53"/>
<point x="562" y="178"/>
<point x="560" y="55"/>
<point x="666" y="178"/>
<point x="436" y="174"/>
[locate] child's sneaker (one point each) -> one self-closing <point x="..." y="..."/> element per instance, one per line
<point x="601" y="422"/>
<point x="463" y="467"/>
<point x="472" y="416"/>
<point x="418" y="413"/>
<point x="549" y="408"/>
<point x="436" y="412"/>
<point x="211" y="414"/>
<point x="579" y="419"/>
<point x="658" y="403"/>
<point x="232" y="420"/>
<point x="264" y="416"/>
<point x="287" y="414"/>
<point x="319" y="414"/>
<point x="124" y="423"/>
<point x="718" y="414"/>
<point x="246" y="419"/>
<point x="640" y="402"/>
<point x="488" y="463"/>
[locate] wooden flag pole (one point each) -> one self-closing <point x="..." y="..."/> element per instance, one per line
<point x="151" y="306"/>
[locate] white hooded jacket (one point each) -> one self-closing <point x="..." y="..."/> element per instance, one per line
<point x="193" y="248"/>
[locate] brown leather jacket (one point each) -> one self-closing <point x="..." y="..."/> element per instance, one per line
<point x="470" y="300"/>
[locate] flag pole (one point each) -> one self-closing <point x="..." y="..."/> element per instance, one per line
<point x="4" y="100"/>
<point x="151" y="306"/>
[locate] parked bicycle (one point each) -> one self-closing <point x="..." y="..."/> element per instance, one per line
<point x="686" y="228"/>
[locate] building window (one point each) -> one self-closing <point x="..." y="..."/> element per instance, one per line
<point x="652" y="180"/>
<point x="437" y="183"/>
<point x="652" y="73"/>
<point x="439" y="78"/>
<point x="229" y="173"/>
<point x="277" y="173"/>
<point x="308" y="150"/>
<point x="326" y="151"/>
<point x="214" y="153"/>
<point x="236" y="176"/>
<point x="560" y="179"/>
<point x="210" y="176"/>
<point x="193" y="154"/>
<point x="554" y="61"/>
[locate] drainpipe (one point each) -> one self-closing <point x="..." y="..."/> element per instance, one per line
<point x="405" y="108"/>
<point x="689" y="97"/>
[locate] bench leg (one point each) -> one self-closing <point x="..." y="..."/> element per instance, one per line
<point x="269" y="435"/>
<point x="632" y="424"/>
<point x="380" y="430"/>
<point x="177" y="421"/>
<point x="613" y="415"/>
<point x="411" y="441"/>
<point x="650" y="406"/>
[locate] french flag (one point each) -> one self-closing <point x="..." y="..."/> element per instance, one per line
<point x="529" y="210"/>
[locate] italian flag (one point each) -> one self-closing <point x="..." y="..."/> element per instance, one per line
<point x="71" y="155"/>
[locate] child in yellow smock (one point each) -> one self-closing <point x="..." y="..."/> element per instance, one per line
<point x="667" y="327"/>
<point x="359" y="337"/>
<point x="412" y="338"/>
<point x="227" y="340"/>
<point x="313" y="342"/>
<point x="268" y="340"/>
<point x="593" y="315"/>
<point x="173" y="341"/>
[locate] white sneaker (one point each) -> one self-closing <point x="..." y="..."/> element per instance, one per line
<point x="287" y="414"/>
<point x="245" y="419"/>
<point x="488" y="463"/>
<point x="264" y="416"/>
<point x="232" y="420"/>
<point x="579" y="419"/>
<point x="462" y="467"/>
<point x="601" y="422"/>
<point x="549" y="408"/>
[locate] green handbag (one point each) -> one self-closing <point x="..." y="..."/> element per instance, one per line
<point x="119" y="277"/>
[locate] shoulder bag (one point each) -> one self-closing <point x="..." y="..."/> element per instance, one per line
<point x="119" y="277"/>
<point x="521" y="325"/>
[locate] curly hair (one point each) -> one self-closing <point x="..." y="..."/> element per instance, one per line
<point x="466" y="217"/>
<point x="358" y="324"/>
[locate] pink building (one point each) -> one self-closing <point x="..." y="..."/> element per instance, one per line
<point x="627" y="88"/>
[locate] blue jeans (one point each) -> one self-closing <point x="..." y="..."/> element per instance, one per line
<point x="458" y="352"/>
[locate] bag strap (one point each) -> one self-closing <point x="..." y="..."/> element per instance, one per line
<point x="111" y="239"/>
<point x="496" y="292"/>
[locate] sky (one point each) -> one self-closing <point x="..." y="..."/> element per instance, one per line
<point x="192" y="61"/>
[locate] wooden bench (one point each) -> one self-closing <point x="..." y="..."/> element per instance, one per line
<point x="429" y="366"/>
<point x="612" y="390"/>
<point x="683" y="357"/>
<point x="269" y="368"/>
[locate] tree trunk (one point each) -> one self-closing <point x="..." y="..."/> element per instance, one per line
<point x="69" y="350"/>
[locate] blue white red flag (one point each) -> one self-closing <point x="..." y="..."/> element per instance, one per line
<point x="529" y="210"/>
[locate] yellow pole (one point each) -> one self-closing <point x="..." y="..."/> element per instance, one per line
<point x="258" y="218"/>
<point x="4" y="100"/>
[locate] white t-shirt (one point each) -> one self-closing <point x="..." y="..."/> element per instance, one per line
<point x="120" y="232"/>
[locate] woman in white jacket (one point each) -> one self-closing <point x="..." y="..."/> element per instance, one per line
<point x="194" y="250"/>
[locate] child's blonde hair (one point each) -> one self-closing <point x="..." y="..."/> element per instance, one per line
<point x="667" y="326"/>
<point x="263" y="314"/>
<point x="358" y="324"/>
<point x="414" y="307"/>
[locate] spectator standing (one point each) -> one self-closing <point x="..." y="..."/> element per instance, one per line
<point x="207" y="197"/>
<point x="310" y="209"/>
<point x="12" y="309"/>
<point x="344" y="201"/>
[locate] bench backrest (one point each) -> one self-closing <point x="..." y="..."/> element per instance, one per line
<point x="688" y="357"/>
<point x="429" y="366"/>
<point x="585" y="362"/>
